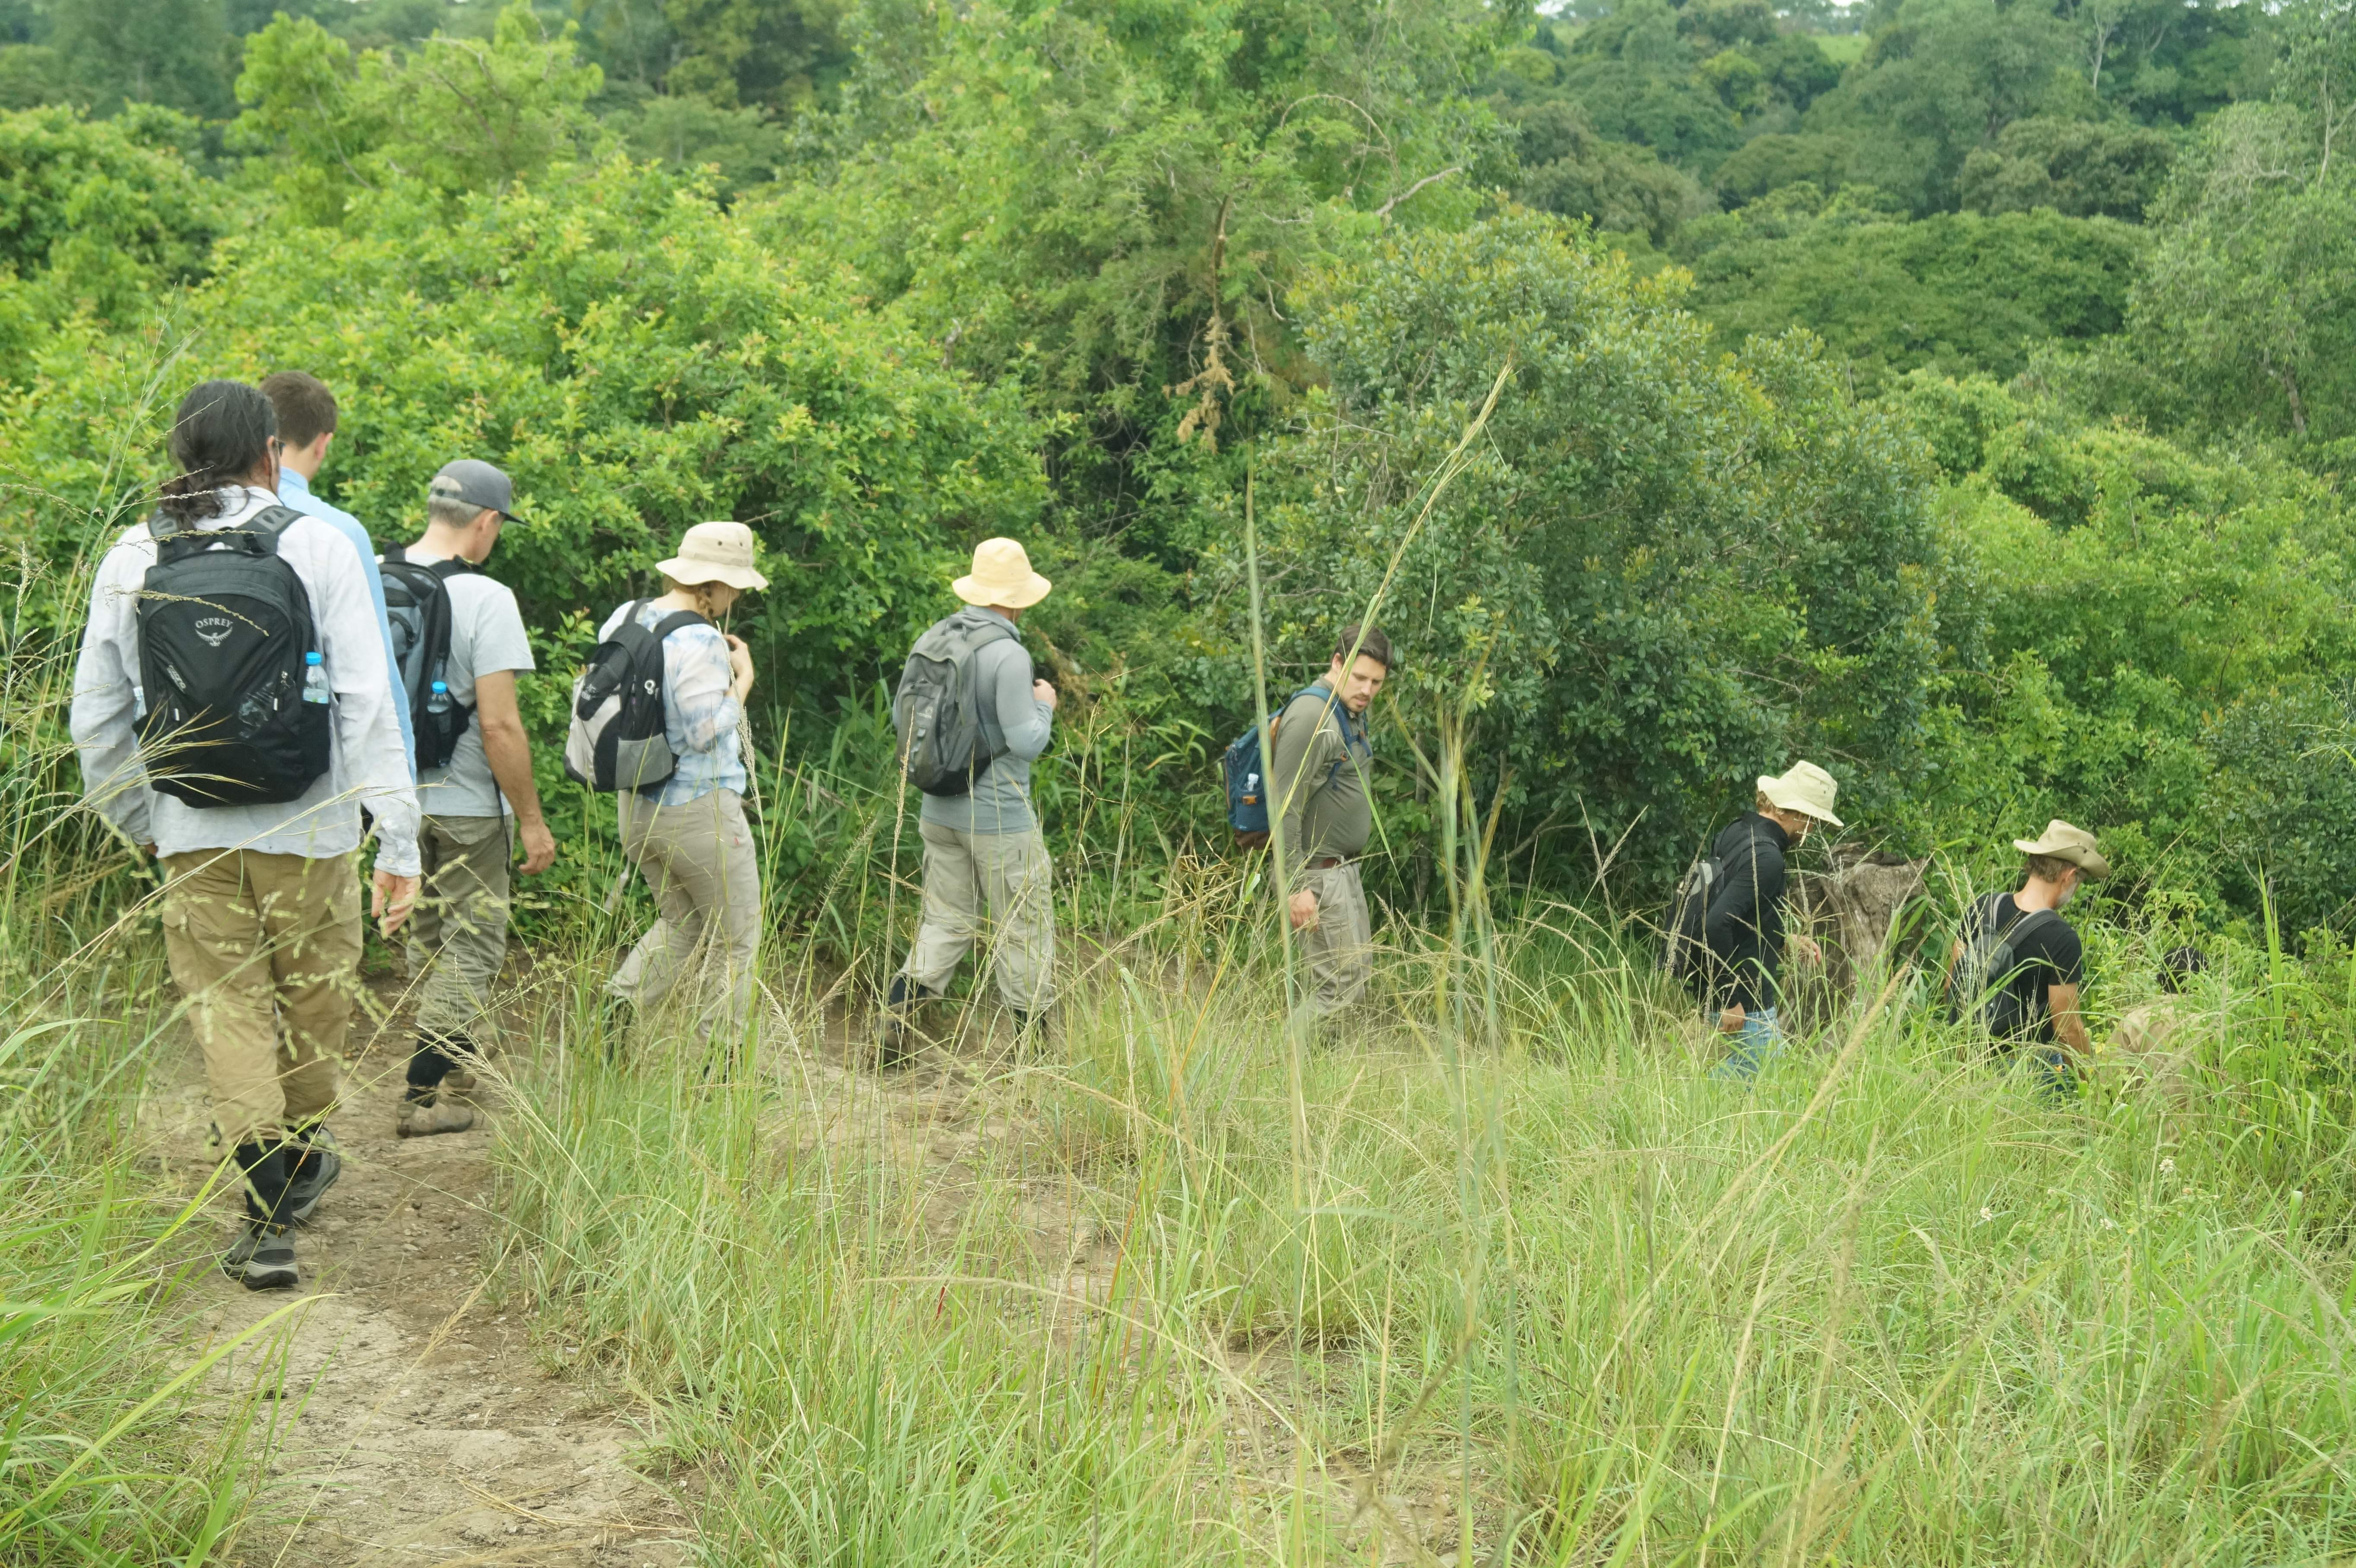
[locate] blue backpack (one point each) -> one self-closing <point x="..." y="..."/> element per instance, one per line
<point x="1248" y="792"/>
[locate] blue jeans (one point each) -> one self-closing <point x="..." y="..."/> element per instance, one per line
<point x="2050" y="1074"/>
<point x="1757" y="1044"/>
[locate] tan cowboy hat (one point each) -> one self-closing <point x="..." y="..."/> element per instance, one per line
<point x="1001" y="575"/>
<point x="715" y="553"/>
<point x="1807" y="789"/>
<point x="2064" y="842"/>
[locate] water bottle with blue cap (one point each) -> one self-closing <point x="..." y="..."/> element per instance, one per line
<point x="315" y="680"/>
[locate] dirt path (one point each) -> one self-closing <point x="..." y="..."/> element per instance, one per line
<point x="416" y="1424"/>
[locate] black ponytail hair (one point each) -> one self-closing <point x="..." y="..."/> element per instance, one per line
<point x="219" y="436"/>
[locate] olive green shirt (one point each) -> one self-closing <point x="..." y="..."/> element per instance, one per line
<point x="1325" y="810"/>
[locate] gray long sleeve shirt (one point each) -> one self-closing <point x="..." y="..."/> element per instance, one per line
<point x="1017" y="725"/>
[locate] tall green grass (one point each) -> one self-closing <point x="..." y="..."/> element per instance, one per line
<point x="1542" y="1289"/>
<point x="116" y="1446"/>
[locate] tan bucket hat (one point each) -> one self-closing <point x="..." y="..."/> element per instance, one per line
<point x="1807" y="789"/>
<point x="1001" y="575"/>
<point x="715" y="553"/>
<point x="2064" y="842"/>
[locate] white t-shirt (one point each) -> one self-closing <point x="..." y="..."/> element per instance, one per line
<point x="486" y="637"/>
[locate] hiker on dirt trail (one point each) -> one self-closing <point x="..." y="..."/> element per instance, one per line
<point x="688" y="835"/>
<point x="1742" y="923"/>
<point x="1318" y="784"/>
<point x="462" y="644"/>
<point x="2018" y="965"/>
<point x="306" y="428"/>
<point x="234" y="713"/>
<point x="973" y="716"/>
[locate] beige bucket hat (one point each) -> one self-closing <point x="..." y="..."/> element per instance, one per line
<point x="715" y="553"/>
<point x="1001" y="575"/>
<point x="1807" y="789"/>
<point x="2064" y="842"/>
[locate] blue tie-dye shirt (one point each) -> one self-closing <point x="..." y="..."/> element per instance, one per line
<point x="702" y="716"/>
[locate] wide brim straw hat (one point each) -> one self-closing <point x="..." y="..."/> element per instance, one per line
<point x="715" y="552"/>
<point x="2074" y="844"/>
<point x="1807" y="789"/>
<point x="1001" y="575"/>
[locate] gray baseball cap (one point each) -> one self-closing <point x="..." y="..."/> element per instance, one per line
<point x="478" y="484"/>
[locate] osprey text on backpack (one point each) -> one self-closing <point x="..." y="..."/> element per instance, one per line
<point x="417" y="608"/>
<point x="937" y="712"/>
<point x="618" y="740"/>
<point x="237" y="706"/>
<point x="1248" y="789"/>
<point x="1981" y="988"/>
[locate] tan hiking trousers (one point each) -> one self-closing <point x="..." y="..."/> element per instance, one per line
<point x="1339" y="950"/>
<point x="458" y="932"/>
<point x="698" y="861"/>
<point x="1006" y="874"/>
<point x="266" y="948"/>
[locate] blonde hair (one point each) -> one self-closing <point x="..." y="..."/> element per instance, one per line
<point x="699" y="592"/>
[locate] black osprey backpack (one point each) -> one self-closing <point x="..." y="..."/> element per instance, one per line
<point x="417" y="608"/>
<point x="618" y="739"/>
<point x="225" y="645"/>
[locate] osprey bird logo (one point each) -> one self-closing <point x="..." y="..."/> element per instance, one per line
<point x="215" y="629"/>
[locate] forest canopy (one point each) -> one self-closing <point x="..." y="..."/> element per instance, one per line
<point x="1958" y="392"/>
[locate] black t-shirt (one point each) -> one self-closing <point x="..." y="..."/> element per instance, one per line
<point x="2044" y="955"/>
<point x="1744" y="922"/>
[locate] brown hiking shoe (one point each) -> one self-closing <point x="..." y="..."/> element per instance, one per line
<point x="423" y="1118"/>
<point x="458" y="1081"/>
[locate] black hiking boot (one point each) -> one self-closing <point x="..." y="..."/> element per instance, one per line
<point x="1030" y="1030"/>
<point x="313" y="1167"/>
<point x="892" y="1047"/>
<point x="263" y="1257"/>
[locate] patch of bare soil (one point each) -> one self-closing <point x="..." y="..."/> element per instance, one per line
<point x="414" y="1422"/>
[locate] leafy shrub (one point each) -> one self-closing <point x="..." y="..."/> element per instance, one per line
<point x="1664" y="569"/>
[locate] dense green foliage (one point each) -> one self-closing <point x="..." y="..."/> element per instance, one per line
<point x="1966" y="404"/>
<point x="1070" y="269"/>
<point x="1662" y="561"/>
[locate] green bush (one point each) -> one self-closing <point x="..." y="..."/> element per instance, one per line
<point x="1663" y="569"/>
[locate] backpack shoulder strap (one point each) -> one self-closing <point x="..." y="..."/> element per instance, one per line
<point x="394" y="555"/>
<point x="671" y="623"/>
<point x="270" y="522"/>
<point x="2029" y="922"/>
<point x="456" y="565"/>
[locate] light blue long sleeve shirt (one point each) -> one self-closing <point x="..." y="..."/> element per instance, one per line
<point x="294" y="491"/>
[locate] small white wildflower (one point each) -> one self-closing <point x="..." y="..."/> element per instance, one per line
<point x="2106" y="1223"/>
<point x="2168" y="1167"/>
<point x="1986" y="1213"/>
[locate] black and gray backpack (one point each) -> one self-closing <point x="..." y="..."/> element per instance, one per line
<point x="417" y="608"/>
<point x="1685" y="944"/>
<point x="618" y="739"/>
<point x="1980" y="991"/>
<point x="937" y="710"/>
<point x="224" y="630"/>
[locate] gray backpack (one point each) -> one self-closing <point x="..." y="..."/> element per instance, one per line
<point x="937" y="712"/>
<point x="1981" y="988"/>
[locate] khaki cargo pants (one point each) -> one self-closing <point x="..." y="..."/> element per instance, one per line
<point x="266" y="948"/>
<point x="1339" y="950"/>
<point x="698" y="859"/>
<point x="458" y="932"/>
<point x="1006" y="874"/>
